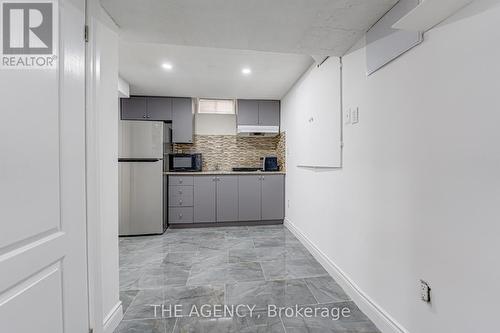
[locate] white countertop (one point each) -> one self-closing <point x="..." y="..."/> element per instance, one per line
<point x="201" y="173"/>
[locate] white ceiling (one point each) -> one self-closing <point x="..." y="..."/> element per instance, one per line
<point x="312" y="27"/>
<point x="211" y="34"/>
<point x="208" y="72"/>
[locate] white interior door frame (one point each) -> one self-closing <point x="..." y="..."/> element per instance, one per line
<point x="93" y="182"/>
<point x="105" y="310"/>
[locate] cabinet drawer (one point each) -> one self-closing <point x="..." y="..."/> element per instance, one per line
<point x="180" y="215"/>
<point x="181" y="197"/>
<point x="180" y="190"/>
<point x="180" y="180"/>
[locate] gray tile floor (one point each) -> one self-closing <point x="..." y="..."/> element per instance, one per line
<point x="256" y="266"/>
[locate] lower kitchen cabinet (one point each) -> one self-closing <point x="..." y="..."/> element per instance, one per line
<point x="180" y="215"/>
<point x="227" y="198"/>
<point x="249" y="198"/>
<point x="204" y="199"/>
<point x="273" y="197"/>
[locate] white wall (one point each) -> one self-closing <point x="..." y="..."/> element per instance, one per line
<point x="315" y="100"/>
<point x="419" y="192"/>
<point x="215" y="124"/>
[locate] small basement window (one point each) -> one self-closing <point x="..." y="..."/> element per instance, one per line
<point x="216" y="106"/>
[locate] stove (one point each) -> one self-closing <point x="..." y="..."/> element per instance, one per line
<point x="245" y="169"/>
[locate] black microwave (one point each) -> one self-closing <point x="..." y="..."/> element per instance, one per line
<point x="184" y="162"/>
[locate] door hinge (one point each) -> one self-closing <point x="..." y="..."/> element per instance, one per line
<point x="86" y="37"/>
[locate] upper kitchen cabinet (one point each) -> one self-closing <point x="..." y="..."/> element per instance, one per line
<point x="146" y="108"/>
<point x="159" y="108"/>
<point x="133" y="108"/>
<point x="258" y="112"/>
<point x="182" y="120"/>
<point x="269" y="113"/>
<point x="248" y="112"/>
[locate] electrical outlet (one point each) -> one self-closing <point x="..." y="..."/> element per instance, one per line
<point x="425" y="291"/>
<point x="347" y="116"/>
<point x="355" y="115"/>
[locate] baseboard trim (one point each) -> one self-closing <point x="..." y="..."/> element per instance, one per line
<point x="113" y="319"/>
<point x="379" y="316"/>
<point x="223" y="224"/>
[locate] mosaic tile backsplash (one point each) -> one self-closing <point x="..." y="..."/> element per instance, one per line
<point x="223" y="152"/>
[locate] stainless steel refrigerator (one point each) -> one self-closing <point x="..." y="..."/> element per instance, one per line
<point x="140" y="160"/>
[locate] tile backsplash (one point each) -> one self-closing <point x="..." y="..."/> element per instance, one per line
<point x="224" y="152"/>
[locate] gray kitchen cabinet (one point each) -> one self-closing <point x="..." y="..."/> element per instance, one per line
<point x="248" y="112"/>
<point x="181" y="180"/>
<point x="179" y="196"/>
<point x="180" y="215"/>
<point x="204" y="200"/>
<point x="258" y="112"/>
<point x="182" y="120"/>
<point x="227" y="198"/>
<point x="273" y="197"/>
<point x="133" y="108"/>
<point x="249" y="198"/>
<point x="269" y="113"/>
<point x="159" y="108"/>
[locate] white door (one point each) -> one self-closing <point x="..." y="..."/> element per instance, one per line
<point x="43" y="273"/>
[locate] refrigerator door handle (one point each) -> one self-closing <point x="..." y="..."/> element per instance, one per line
<point x="151" y="160"/>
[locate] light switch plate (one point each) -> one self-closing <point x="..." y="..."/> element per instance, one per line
<point x="355" y="115"/>
<point x="347" y="116"/>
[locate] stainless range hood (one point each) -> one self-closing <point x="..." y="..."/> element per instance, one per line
<point x="256" y="130"/>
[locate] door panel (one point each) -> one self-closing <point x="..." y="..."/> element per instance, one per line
<point x="182" y="120"/>
<point x="133" y="108"/>
<point x="159" y="108"/>
<point x="227" y="198"/>
<point x="42" y="197"/>
<point x="204" y="199"/>
<point x="269" y="113"/>
<point x="249" y="192"/>
<point x="273" y="197"/>
<point x="36" y="292"/>
<point x="248" y="112"/>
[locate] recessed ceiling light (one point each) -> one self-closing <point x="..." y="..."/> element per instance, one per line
<point x="246" y="71"/>
<point x="167" y="66"/>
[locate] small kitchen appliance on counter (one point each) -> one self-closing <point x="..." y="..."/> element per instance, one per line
<point x="185" y="162"/>
<point x="270" y="163"/>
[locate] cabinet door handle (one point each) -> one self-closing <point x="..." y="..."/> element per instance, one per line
<point x="144" y="116"/>
<point x="180" y="191"/>
<point x="180" y="181"/>
<point x="180" y="202"/>
<point x="180" y="215"/>
<point x="213" y="179"/>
